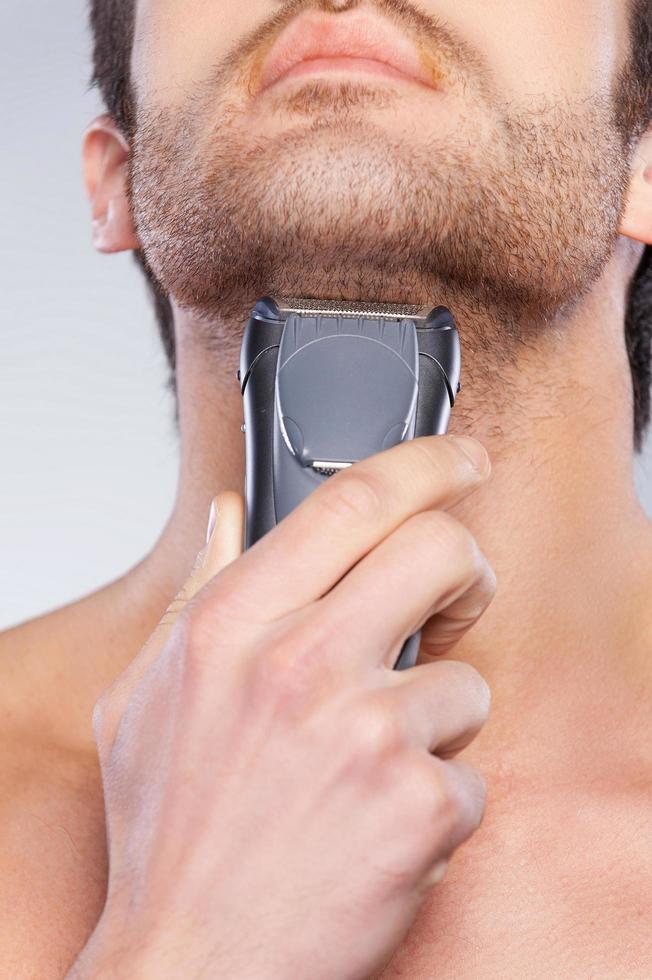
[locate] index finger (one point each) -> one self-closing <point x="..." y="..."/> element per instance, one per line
<point x="316" y="544"/>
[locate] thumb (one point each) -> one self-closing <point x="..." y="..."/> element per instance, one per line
<point x="224" y="543"/>
<point x="225" y="539"/>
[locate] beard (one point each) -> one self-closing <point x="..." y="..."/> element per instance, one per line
<point x="508" y="217"/>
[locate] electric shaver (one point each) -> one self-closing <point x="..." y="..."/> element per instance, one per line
<point x="328" y="383"/>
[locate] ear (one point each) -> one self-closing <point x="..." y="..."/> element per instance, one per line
<point x="637" y="219"/>
<point x="105" y="152"/>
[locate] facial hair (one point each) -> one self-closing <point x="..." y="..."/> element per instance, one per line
<point x="509" y="220"/>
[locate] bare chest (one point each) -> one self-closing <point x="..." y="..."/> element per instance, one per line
<point x="539" y="892"/>
<point x="544" y="889"/>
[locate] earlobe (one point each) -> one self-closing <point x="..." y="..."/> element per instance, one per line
<point x="105" y="154"/>
<point x="636" y="222"/>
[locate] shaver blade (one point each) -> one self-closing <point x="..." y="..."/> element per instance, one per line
<point x="315" y="307"/>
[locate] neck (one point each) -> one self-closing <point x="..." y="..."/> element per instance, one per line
<point x="559" y="518"/>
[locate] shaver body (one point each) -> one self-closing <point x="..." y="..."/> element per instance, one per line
<point x="326" y="384"/>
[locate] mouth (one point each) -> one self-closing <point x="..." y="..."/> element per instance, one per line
<point x="359" y="43"/>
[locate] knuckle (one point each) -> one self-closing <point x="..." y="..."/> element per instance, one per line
<point x="197" y="634"/>
<point x="208" y="619"/>
<point x="448" y="536"/>
<point x="481" y="692"/>
<point x="483" y="573"/>
<point x="375" y="733"/>
<point x="198" y="625"/>
<point x="353" y="495"/>
<point x="467" y="794"/>
<point x="439" y="465"/>
<point x="443" y="454"/>
<point x="473" y="796"/>
<point x="449" y="540"/>
<point x="429" y="792"/>
<point x="477" y="562"/>
<point x="489" y="581"/>
<point x="281" y="666"/>
<point x="472" y="684"/>
<point x="431" y="454"/>
<point x="483" y="592"/>
<point x="459" y="448"/>
<point x="448" y="798"/>
<point x="445" y="807"/>
<point x="291" y="671"/>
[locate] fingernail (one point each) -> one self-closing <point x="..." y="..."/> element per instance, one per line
<point x="438" y="872"/>
<point x="212" y="518"/>
<point x="476" y="452"/>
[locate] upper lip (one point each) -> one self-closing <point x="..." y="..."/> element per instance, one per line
<point x="357" y="35"/>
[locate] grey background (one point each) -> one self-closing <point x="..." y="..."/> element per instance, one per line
<point x="88" y="449"/>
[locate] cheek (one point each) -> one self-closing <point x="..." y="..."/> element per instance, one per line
<point x="178" y="42"/>
<point x="543" y="47"/>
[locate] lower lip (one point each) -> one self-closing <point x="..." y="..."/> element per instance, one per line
<point x="348" y="66"/>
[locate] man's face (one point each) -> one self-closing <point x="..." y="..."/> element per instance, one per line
<point x="495" y="180"/>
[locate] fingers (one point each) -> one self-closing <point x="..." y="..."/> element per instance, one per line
<point x="467" y="791"/>
<point x="443" y="804"/>
<point x="442" y="631"/>
<point x="347" y="516"/>
<point x="440" y="706"/>
<point x="431" y="562"/>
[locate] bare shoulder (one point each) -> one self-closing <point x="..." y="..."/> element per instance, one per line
<point x="54" y="667"/>
<point x="52" y="856"/>
<point x="52" y="836"/>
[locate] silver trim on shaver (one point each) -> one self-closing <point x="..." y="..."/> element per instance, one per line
<point x="322" y="465"/>
<point x="314" y="307"/>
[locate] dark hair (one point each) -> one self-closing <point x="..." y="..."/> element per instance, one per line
<point x="112" y="27"/>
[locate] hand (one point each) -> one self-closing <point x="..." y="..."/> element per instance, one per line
<point x="279" y="801"/>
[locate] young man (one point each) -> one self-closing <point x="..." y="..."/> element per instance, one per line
<point x="500" y="163"/>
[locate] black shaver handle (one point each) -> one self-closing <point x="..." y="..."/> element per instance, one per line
<point x="282" y="460"/>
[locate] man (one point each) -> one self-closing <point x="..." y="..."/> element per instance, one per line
<point x="510" y="179"/>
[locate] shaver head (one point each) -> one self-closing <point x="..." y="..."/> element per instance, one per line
<point x="343" y="380"/>
<point x="280" y="308"/>
<point x="436" y="331"/>
<point x="334" y="372"/>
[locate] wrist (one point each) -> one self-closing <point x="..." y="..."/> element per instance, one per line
<point x="115" y="951"/>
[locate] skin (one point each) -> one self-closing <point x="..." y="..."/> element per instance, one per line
<point x="275" y="678"/>
<point x="558" y="880"/>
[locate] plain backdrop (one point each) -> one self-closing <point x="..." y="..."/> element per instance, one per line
<point x="88" y="448"/>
